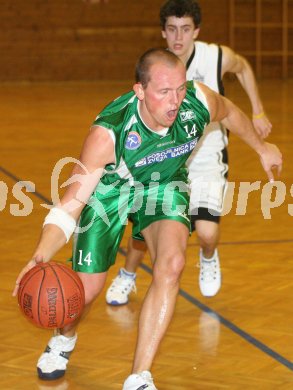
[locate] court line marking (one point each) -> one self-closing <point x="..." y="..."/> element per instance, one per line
<point x="251" y="242"/>
<point x="31" y="190"/>
<point x="42" y="197"/>
<point x="228" y="324"/>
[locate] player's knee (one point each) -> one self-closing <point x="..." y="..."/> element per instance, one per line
<point x="207" y="233"/>
<point x="168" y="270"/>
<point x="92" y="287"/>
<point x="208" y="238"/>
<point x="90" y="295"/>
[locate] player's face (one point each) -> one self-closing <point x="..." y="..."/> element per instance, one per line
<point x="180" y="34"/>
<point x="162" y="97"/>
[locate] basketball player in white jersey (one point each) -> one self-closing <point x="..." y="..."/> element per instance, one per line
<point x="208" y="165"/>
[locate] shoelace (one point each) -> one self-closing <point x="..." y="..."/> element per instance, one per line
<point x="52" y="357"/>
<point x="208" y="270"/>
<point x="123" y="283"/>
<point x="147" y="377"/>
<point x="56" y="347"/>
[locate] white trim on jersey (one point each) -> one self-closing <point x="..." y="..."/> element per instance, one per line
<point x="206" y="165"/>
<point x="200" y="95"/>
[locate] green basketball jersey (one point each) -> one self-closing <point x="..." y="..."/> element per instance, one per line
<point x="147" y="181"/>
<point x="140" y="152"/>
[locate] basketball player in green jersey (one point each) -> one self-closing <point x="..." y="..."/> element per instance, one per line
<point x="208" y="165"/>
<point x="143" y="137"/>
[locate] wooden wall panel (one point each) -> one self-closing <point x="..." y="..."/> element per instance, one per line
<point x="73" y="40"/>
<point x="76" y="55"/>
<point x="262" y="29"/>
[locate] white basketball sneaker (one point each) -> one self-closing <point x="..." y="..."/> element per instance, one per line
<point x="141" y="381"/>
<point x="53" y="362"/>
<point x="118" y="293"/>
<point x="209" y="275"/>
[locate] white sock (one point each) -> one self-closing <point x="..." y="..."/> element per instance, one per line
<point x="131" y="275"/>
<point x="214" y="256"/>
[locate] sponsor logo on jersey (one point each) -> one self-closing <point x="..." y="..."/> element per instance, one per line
<point x="183" y="215"/>
<point x="176" y="151"/>
<point x="198" y="77"/>
<point x="187" y="115"/>
<point x="133" y="141"/>
<point x="165" y="143"/>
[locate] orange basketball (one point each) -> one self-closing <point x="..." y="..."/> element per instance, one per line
<point x="51" y="295"/>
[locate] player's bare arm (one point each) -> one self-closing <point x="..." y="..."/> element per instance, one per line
<point x="97" y="152"/>
<point x="235" y="63"/>
<point x="223" y="110"/>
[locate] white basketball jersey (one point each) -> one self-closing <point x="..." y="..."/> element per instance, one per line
<point x="207" y="163"/>
<point x="204" y="66"/>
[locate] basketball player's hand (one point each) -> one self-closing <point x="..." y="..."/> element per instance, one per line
<point x="262" y="126"/>
<point x="271" y="159"/>
<point x="25" y="269"/>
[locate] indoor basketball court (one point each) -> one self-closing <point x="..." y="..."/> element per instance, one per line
<point x="62" y="62"/>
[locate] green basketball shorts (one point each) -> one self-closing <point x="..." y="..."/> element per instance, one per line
<point x="104" y="218"/>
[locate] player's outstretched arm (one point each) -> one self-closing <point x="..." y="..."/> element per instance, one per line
<point x="97" y="151"/>
<point x="237" y="64"/>
<point x="223" y="110"/>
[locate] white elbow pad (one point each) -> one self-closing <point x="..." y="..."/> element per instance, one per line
<point x="62" y="219"/>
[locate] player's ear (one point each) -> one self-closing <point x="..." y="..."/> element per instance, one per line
<point x="196" y="32"/>
<point x="163" y="34"/>
<point x="138" y="90"/>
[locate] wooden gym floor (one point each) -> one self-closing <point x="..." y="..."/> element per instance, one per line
<point x="240" y="339"/>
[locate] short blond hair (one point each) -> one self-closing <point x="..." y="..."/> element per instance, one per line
<point x="151" y="57"/>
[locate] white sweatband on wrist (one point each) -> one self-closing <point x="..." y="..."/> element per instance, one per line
<point x="62" y="219"/>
